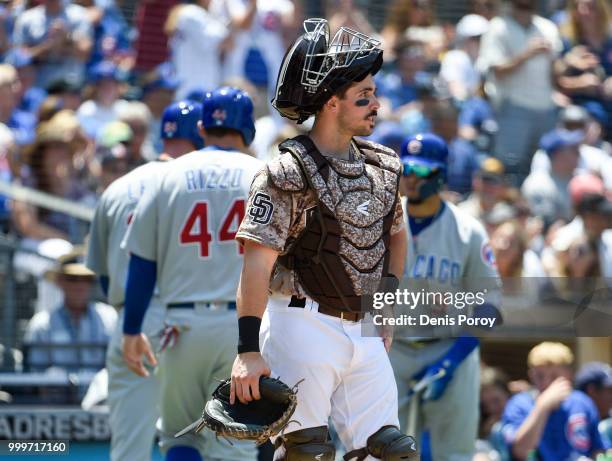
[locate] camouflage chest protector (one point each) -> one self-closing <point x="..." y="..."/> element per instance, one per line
<point x="343" y="251"/>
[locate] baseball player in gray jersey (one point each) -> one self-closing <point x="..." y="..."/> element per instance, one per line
<point x="182" y="237"/>
<point x="450" y="251"/>
<point x="133" y="399"/>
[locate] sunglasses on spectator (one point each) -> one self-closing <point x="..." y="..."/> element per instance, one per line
<point x="420" y="171"/>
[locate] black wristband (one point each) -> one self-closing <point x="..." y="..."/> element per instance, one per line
<point x="248" y="334"/>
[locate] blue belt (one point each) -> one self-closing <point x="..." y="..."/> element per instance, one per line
<point x="231" y="305"/>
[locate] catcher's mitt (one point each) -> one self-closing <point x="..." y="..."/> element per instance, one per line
<point x="258" y="421"/>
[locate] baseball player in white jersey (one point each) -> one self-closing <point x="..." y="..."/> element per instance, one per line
<point x="323" y="227"/>
<point x="182" y="237"/>
<point x="133" y="399"/>
<point x="448" y="250"/>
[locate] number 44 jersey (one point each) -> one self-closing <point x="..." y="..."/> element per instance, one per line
<point x="187" y="223"/>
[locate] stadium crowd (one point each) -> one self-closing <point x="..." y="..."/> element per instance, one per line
<point x="522" y="97"/>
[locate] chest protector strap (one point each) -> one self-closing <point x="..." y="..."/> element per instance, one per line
<point x="315" y="254"/>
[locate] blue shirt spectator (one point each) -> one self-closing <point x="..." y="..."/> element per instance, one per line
<point x="463" y="162"/>
<point x="23" y="125"/>
<point x="112" y="34"/>
<point x="58" y="37"/>
<point x="570" y="430"/>
<point x="551" y="422"/>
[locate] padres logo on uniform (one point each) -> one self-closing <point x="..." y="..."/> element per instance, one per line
<point x="261" y="209"/>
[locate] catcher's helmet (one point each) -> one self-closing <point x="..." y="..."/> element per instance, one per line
<point x="180" y="121"/>
<point x="426" y="156"/>
<point x="314" y="69"/>
<point x="229" y="107"/>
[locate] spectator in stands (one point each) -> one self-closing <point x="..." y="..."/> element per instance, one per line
<point x="494" y="394"/>
<point x="84" y="326"/>
<point x="424" y="28"/>
<point x="30" y="95"/>
<point x="104" y="107"/>
<point x="115" y="133"/>
<point x="595" y="380"/>
<point x="552" y="421"/>
<point x="138" y="117"/>
<point x="112" y="36"/>
<point x="592" y="159"/>
<point x="158" y="93"/>
<point x="477" y="122"/>
<point x="258" y="40"/>
<point x="586" y="68"/>
<point x="462" y="156"/>
<point x="547" y="191"/>
<point x="58" y="36"/>
<point x="398" y="86"/>
<point x="458" y="69"/>
<point x="517" y="54"/>
<point x="582" y="248"/>
<point x="513" y="256"/>
<point x="21" y="123"/>
<point x="196" y="37"/>
<point x="68" y="89"/>
<point x="488" y="188"/>
<point x="51" y="169"/>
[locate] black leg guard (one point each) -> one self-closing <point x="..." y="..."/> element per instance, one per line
<point x="387" y="444"/>
<point x="310" y="444"/>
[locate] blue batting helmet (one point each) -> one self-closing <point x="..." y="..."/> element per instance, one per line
<point x="229" y="107"/>
<point x="180" y="121"/>
<point x="426" y="156"/>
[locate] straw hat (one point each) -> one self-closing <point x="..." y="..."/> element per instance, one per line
<point x="70" y="265"/>
<point x="63" y="127"/>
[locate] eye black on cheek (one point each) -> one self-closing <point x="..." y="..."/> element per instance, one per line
<point x="362" y="102"/>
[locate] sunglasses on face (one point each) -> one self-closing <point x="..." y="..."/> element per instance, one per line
<point x="420" y="171"/>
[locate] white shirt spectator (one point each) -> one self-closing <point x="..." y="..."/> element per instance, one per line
<point x="531" y="85"/>
<point x="92" y="116"/>
<point x="458" y="67"/>
<point x="592" y="160"/>
<point x="194" y="48"/>
<point x="548" y="196"/>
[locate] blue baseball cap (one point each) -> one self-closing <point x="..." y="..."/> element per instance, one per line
<point x="598" y="373"/>
<point x="425" y="149"/>
<point x="559" y="138"/>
